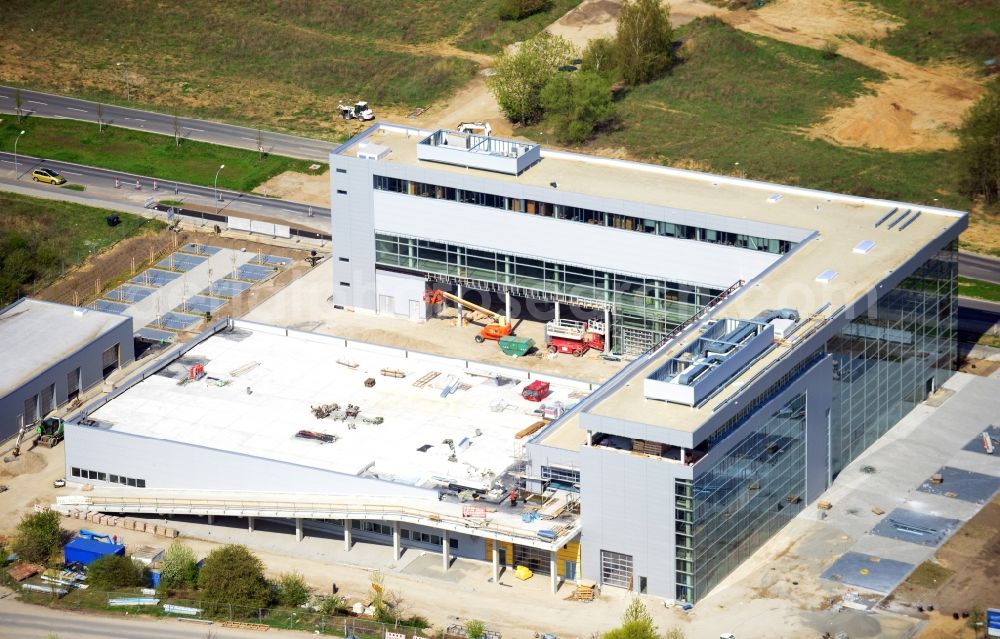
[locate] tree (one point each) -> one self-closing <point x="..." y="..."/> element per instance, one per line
<point x="637" y="623"/>
<point x="180" y="569"/>
<point x="519" y="77"/>
<point x="177" y="130"/>
<point x="474" y="629"/>
<point x="38" y="537"/>
<point x="979" y="147"/>
<point x="100" y="118"/>
<point x="114" y="571"/>
<point x="600" y="56"/>
<point x="577" y="104"/>
<point x="292" y="590"/>
<point x="644" y="40"/>
<point x="17" y="104"/>
<point x="234" y="575"/>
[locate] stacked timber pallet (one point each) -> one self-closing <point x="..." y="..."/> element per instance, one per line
<point x="127" y="523"/>
<point x="585" y="590"/>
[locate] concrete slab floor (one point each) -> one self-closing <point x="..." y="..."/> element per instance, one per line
<point x="965" y="485"/>
<point x="868" y="572"/>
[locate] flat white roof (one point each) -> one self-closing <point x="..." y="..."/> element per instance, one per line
<point x="258" y="412"/>
<point x="36" y="335"/>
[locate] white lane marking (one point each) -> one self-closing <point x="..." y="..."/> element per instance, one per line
<point x="191" y="128"/>
<point x="71" y="173"/>
<point x="5" y="97"/>
<point x="37" y="102"/>
<point x="7" y="161"/>
<point x="251" y="139"/>
<point x="291" y="211"/>
<point x="136" y="119"/>
<point x="75" y="109"/>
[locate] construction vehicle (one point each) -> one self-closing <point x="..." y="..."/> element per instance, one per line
<point x="50" y="432"/>
<point x="500" y="327"/>
<point x="476" y="128"/>
<point x="536" y="391"/>
<point x="20" y="437"/>
<point x="574" y="338"/>
<point x="360" y="111"/>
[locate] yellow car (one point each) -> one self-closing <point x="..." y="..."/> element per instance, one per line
<point x="47" y="175"/>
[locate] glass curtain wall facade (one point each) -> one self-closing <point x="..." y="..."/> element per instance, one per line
<point x="741" y="501"/>
<point x="639" y="303"/>
<point x="888" y="360"/>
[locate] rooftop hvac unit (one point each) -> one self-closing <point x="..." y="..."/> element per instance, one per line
<point x="372" y="151"/>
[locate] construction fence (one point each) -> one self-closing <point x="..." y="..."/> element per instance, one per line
<point x="222" y="613"/>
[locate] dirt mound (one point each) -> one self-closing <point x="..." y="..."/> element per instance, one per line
<point x="29" y="462"/>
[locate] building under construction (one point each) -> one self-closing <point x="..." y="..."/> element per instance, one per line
<point x="776" y="333"/>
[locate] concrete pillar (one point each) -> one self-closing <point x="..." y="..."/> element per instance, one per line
<point x="249" y="524"/>
<point x="458" y="307"/>
<point x="211" y="519"/>
<point x="395" y="541"/>
<point x="555" y="307"/>
<point x="554" y="571"/>
<point x="445" y="551"/>
<point x="496" y="561"/>
<point x="347" y="535"/>
<point x="506" y="301"/>
<point x="683" y="454"/>
<point x="607" y="330"/>
<point x="299" y="533"/>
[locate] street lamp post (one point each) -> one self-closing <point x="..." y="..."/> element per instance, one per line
<point x="128" y="88"/>
<point x="17" y="176"/>
<point x="216" y="187"/>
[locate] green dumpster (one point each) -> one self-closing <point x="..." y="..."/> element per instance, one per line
<point x="516" y="346"/>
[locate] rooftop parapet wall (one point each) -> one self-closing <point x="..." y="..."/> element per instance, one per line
<point x="479" y="152"/>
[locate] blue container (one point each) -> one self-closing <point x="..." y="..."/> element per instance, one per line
<point x="84" y="551"/>
<point x="155" y="577"/>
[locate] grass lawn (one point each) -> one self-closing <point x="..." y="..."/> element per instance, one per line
<point x="145" y="153"/>
<point x="736" y="97"/>
<point x="929" y="575"/>
<point x="39" y="239"/>
<point x="967" y="31"/>
<point x="979" y="289"/>
<point x="487" y="34"/>
<point x="280" y="65"/>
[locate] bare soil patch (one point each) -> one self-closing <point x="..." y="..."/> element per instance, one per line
<point x="298" y="187"/>
<point x="916" y="109"/>
<point x="981" y="367"/>
<point x="29" y="462"/>
<point x="971" y="554"/>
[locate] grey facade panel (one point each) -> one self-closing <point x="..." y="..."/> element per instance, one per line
<point x="87" y="359"/>
<point x="166" y="464"/>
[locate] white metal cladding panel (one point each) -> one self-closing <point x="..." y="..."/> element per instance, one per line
<point x="238" y="223"/>
<point x="628" y="507"/>
<point x="402" y="289"/>
<point x="168" y="464"/>
<point x="569" y="242"/>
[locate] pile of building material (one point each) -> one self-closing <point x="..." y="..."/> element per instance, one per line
<point x="585" y="590"/>
<point x="324" y="410"/>
<point x="125" y="522"/>
<point x="21" y="571"/>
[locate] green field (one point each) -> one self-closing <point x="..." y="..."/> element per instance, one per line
<point x="966" y="31"/>
<point x="281" y="65"/>
<point x="144" y="153"/>
<point x="979" y="289"/>
<point x="40" y="239"/>
<point x="736" y="97"/>
<point x="486" y="34"/>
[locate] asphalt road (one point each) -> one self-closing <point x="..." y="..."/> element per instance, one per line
<point x="49" y="105"/>
<point x="105" y="178"/>
<point x="24" y="621"/>
<point x="979" y="267"/>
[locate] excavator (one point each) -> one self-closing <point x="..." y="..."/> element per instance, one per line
<point x="501" y="326"/>
<point x="50" y="432"/>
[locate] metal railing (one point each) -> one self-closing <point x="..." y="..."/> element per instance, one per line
<point x="312" y="510"/>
